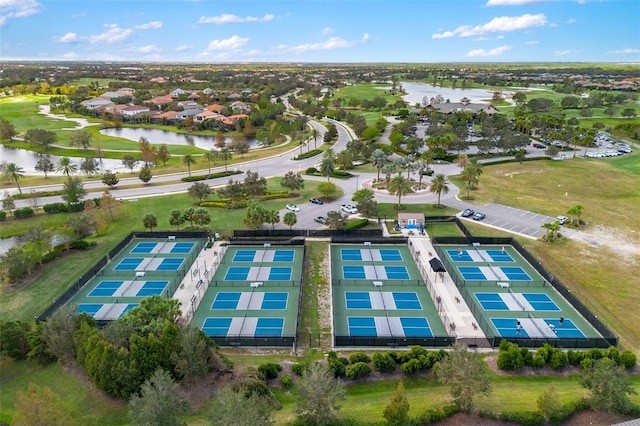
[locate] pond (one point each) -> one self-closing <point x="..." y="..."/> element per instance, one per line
<point x="159" y="137"/>
<point x="417" y="91"/>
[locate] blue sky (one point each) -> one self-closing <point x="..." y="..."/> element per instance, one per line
<point x="418" y="31"/>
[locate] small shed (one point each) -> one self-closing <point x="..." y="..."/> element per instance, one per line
<point x="411" y="220"/>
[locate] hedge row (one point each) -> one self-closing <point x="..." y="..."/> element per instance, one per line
<point x="309" y="154"/>
<point x="211" y="176"/>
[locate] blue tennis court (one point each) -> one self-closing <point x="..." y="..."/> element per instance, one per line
<point x="460" y="256"/>
<point x="507" y="327"/>
<point x="237" y="273"/>
<point x="128" y="264"/>
<point x="491" y="302"/>
<point x="500" y="256"/>
<point x="406" y="300"/>
<point x="280" y="274"/>
<point x="353" y="272"/>
<point x="275" y="301"/>
<point x="566" y="330"/>
<point x="358" y="300"/>
<point x="244" y="256"/>
<point x="362" y="326"/>
<point x="390" y="255"/>
<point x="350" y="254"/>
<point x="396" y="272"/>
<point x="105" y="288"/>
<point x="416" y="327"/>
<point x="541" y="302"/>
<point x="152" y="288"/>
<point x="90" y="309"/>
<point x="269" y="327"/>
<point x="515" y="273"/>
<point x="182" y="248"/>
<point x="283" y="256"/>
<point x="170" y="264"/>
<point x="226" y="300"/>
<point x="218" y="327"/>
<point x="471" y="273"/>
<point x="144" y="247"/>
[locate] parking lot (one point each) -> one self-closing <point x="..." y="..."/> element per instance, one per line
<point x="515" y="220"/>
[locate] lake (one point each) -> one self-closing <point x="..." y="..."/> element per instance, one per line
<point x="417" y="91"/>
<point x="159" y="137"/>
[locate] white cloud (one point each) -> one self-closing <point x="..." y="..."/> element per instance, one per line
<point x="565" y="52"/>
<point x="571" y="21"/>
<point x="365" y="37"/>
<point x="531" y="43"/>
<point x="183" y="48"/>
<point x="327" y="30"/>
<point x="512" y="2"/>
<point x="10" y="9"/>
<point x="68" y="38"/>
<point x="493" y="52"/>
<point x="233" y="19"/>
<point x="114" y="34"/>
<point x="481" y="38"/>
<point x="233" y="42"/>
<point x="627" y="51"/>
<point x="153" y="25"/>
<point x="147" y="49"/>
<point x="69" y="56"/>
<point x="499" y="24"/>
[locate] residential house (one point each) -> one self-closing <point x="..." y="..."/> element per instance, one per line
<point x="131" y="110"/>
<point x="96" y="103"/>
<point x="240" y="107"/>
<point x="181" y="115"/>
<point x="177" y="93"/>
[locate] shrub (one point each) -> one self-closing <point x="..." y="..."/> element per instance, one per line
<point x="337" y="367"/>
<point x="3" y="215"/>
<point x="538" y="360"/>
<point x="286" y="382"/>
<point x="614" y="354"/>
<point x="527" y="356"/>
<point x="80" y="244"/>
<point x="357" y="370"/>
<point x="269" y="370"/>
<point x="628" y="359"/>
<point x="383" y="362"/>
<point x="412" y="366"/>
<point x="211" y="176"/>
<point x="300" y="367"/>
<point x="575" y="357"/>
<point x="586" y="363"/>
<point x="359" y="357"/>
<point x="23" y="213"/>
<point x="416" y="351"/>
<point x="309" y="154"/>
<point x="55" y="208"/>
<point x="358" y="223"/>
<point x="510" y="356"/>
<point x="558" y="359"/>
<point x="525" y="418"/>
<point x="312" y="171"/>
<point x="432" y="415"/>
<point x="596" y="353"/>
<point x="544" y="352"/>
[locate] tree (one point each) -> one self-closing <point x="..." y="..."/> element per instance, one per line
<point x="336" y="220"/>
<point x="549" y="403"/>
<point x="225" y="155"/>
<point x="110" y="179"/>
<point x="327" y="189"/>
<point x="145" y="174"/>
<point x="44" y="165"/>
<point x="7" y="130"/>
<point x="520" y="155"/>
<point x="160" y="401"/>
<point x="609" y="385"/>
<point x="319" y="394"/>
<point x="211" y="156"/>
<point x="176" y="219"/>
<point x="129" y="162"/>
<point x="80" y="225"/>
<point x="57" y="334"/>
<point x="89" y="165"/>
<point x="628" y="113"/>
<point x="163" y="154"/>
<point x="150" y="221"/>
<point x="81" y="138"/>
<point x="73" y="190"/>
<point x="14" y="172"/>
<point x="240" y="145"/>
<point x="327" y="167"/>
<point x="439" y="184"/>
<point x="575" y="213"/>
<point x="466" y="374"/>
<point x="188" y="160"/>
<point x="254" y="185"/>
<point x="199" y="190"/>
<point x="345" y="159"/>
<point x="8" y="202"/>
<point x="40" y="139"/>
<point x="108" y="202"/>
<point x="272" y="217"/>
<point x="366" y="202"/>
<point x="378" y="159"/>
<point x="66" y="166"/>
<point x="388" y="170"/>
<point x="39" y="406"/>
<point x="400" y="186"/>
<point x="202" y="217"/>
<point x="240" y="408"/>
<point x="292" y="181"/>
<point x="255" y="214"/>
<point x="397" y="412"/>
<point x="290" y="219"/>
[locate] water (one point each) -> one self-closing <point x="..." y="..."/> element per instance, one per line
<point x="417" y="91"/>
<point x="158" y="137"/>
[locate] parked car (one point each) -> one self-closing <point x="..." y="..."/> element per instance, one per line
<point x="478" y="216"/>
<point x="320" y="219"/>
<point x="316" y="201"/>
<point x="293" y="208"/>
<point x="561" y="219"/>
<point x="467" y="213"/>
<point x="539" y="146"/>
<point x="349" y="208"/>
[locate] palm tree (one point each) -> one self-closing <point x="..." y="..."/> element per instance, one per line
<point x="345" y="159"/>
<point x="211" y="156"/>
<point x="439" y="184"/>
<point x="66" y="166"/>
<point x="576" y="212"/>
<point x="399" y="186"/>
<point x="327" y="167"/>
<point x="462" y="160"/>
<point x="410" y="164"/>
<point x="14" y="172"/>
<point x="428" y="158"/>
<point x="388" y="169"/>
<point x="188" y="160"/>
<point x="314" y="134"/>
<point x="378" y="158"/>
<point x="421" y="166"/>
<point x="225" y="154"/>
